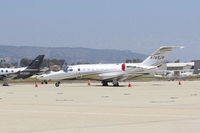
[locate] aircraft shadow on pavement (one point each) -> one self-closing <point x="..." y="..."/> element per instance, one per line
<point x="110" y="86"/>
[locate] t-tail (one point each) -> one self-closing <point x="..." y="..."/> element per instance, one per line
<point x="158" y="57"/>
<point x="32" y="68"/>
<point x="36" y="63"/>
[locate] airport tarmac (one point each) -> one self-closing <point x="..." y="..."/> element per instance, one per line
<point x="146" y="107"/>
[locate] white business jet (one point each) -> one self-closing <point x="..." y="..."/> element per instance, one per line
<point x="109" y="72"/>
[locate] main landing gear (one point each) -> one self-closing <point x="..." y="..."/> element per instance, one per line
<point x="57" y="84"/>
<point x="115" y="83"/>
<point x="105" y="83"/>
<point x="5" y="81"/>
<point x="44" y="82"/>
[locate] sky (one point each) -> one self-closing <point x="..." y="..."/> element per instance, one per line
<point x="137" y="25"/>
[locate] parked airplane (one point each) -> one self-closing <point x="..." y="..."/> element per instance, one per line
<point x="171" y="75"/>
<point x="22" y="72"/>
<point x="109" y="72"/>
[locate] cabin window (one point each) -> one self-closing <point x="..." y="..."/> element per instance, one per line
<point x="6" y="70"/>
<point x="2" y="71"/>
<point x="12" y="71"/>
<point x="79" y="69"/>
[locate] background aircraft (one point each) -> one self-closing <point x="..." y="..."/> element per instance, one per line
<point x="171" y="75"/>
<point x="22" y="72"/>
<point x="109" y="72"/>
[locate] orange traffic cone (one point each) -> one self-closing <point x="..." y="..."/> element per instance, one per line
<point x="36" y="85"/>
<point x="179" y="83"/>
<point x="89" y="83"/>
<point x="129" y="84"/>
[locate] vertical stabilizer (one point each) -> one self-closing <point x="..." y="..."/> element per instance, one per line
<point x="36" y="63"/>
<point x="158" y="57"/>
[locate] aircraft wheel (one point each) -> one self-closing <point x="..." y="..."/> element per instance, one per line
<point x="57" y="84"/>
<point x="116" y="84"/>
<point x="104" y="83"/>
<point x="5" y="84"/>
<point x="42" y="82"/>
<point x="46" y="82"/>
<point x="5" y="81"/>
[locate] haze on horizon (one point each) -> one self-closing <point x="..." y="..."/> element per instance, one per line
<point x="137" y="25"/>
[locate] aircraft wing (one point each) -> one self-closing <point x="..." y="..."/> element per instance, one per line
<point x="117" y="75"/>
<point x="108" y="76"/>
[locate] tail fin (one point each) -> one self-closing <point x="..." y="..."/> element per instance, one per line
<point x="158" y="57"/>
<point x="36" y="63"/>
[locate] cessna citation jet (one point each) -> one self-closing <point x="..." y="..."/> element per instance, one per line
<point x="109" y="72"/>
<point x="22" y="72"/>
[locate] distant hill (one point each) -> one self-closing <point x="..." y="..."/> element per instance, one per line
<point x="71" y="55"/>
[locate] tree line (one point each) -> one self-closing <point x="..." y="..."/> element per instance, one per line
<point x="25" y="62"/>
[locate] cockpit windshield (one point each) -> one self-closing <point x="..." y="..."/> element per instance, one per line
<point x="65" y="67"/>
<point x="70" y="69"/>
